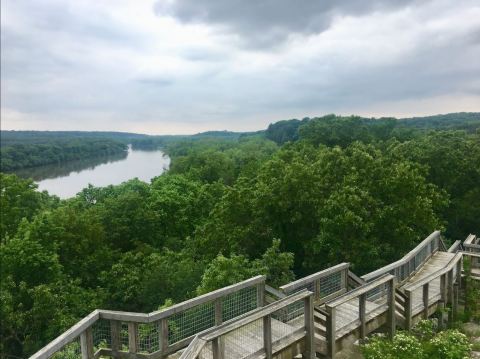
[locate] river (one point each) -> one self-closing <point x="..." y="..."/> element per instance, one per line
<point x="67" y="179"/>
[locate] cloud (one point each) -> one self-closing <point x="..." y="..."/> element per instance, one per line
<point x="183" y="67"/>
<point x="270" y="22"/>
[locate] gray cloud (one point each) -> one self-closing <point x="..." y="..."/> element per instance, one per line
<point x="270" y="22"/>
<point x="84" y="65"/>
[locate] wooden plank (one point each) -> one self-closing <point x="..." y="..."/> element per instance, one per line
<point x="331" y="331"/>
<point x="362" y="303"/>
<point x="132" y="337"/>
<point x="391" y="323"/>
<point x="86" y="343"/>
<point x="267" y="336"/>
<point x="309" y="328"/>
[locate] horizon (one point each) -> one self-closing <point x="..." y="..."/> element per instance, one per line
<point x="224" y="130"/>
<point x="183" y="66"/>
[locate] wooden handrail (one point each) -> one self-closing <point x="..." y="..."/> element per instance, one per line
<point x="253" y="316"/>
<point x="470" y="239"/>
<point x="359" y="291"/>
<point x="212" y="334"/>
<point x="76" y="330"/>
<point x="287" y="288"/>
<point x="455" y="246"/>
<point x="404" y="260"/>
<point x="429" y="278"/>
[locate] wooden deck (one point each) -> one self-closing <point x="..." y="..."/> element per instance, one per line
<point x="437" y="262"/>
<point x="331" y="309"/>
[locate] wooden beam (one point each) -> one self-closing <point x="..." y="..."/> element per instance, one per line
<point x="115" y="330"/>
<point x="425" y="300"/>
<point x="391" y="318"/>
<point x="267" y="336"/>
<point x="86" y="344"/>
<point x="331" y="332"/>
<point x="362" y="302"/>
<point x="309" y="328"/>
<point x="132" y="337"/>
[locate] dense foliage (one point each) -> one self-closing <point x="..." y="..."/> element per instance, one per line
<point x="229" y="208"/>
<point x="424" y="343"/>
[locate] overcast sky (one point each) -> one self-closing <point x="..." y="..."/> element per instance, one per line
<point x="185" y="66"/>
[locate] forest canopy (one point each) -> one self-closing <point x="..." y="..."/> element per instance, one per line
<point x="285" y="203"/>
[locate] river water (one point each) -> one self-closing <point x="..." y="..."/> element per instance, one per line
<point x="67" y="179"/>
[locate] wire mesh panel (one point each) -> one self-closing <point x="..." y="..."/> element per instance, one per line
<point x="377" y="299"/>
<point x="124" y="337"/>
<point x="417" y="299"/>
<point x="288" y="319"/>
<point x="330" y="284"/>
<point x="102" y="337"/>
<point x="239" y="303"/>
<point x="148" y="338"/>
<point x="191" y="321"/>
<point x="70" y="351"/>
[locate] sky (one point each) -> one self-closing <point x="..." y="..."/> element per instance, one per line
<point x="186" y="66"/>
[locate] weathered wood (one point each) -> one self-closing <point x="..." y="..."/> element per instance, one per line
<point x="163" y="336"/>
<point x="216" y="352"/>
<point x="455" y="302"/>
<point x="290" y="287"/>
<point x="115" y="330"/>
<point x="255" y="315"/>
<point x="408" y="311"/>
<point x="425" y="300"/>
<point x="391" y="319"/>
<point x="86" y="344"/>
<point x="309" y="328"/>
<point x="362" y="302"/>
<point x="409" y="256"/>
<point x="331" y="332"/>
<point x="132" y="337"/>
<point x="267" y="336"/>
<point x="260" y="294"/>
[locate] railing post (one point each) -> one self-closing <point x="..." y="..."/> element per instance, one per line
<point x="362" y="301"/>
<point x="443" y="288"/>
<point x="86" y="344"/>
<point x="216" y="352"/>
<point x="455" y="301"/>
<point x="163" y="339"/>
<point x="219" y="320"/>
<point x="309" y="328"/>
<point x="391" y="321"/>
<point x="425" y="300"/>
<point x="115" y="329"/>
<point x="408" y="310"/>
<point x="441" y="319"/>
<point x="260" y="295"/>
<point x="459" y="273"/>
<point x="132" y="337"/>
<point x="450" y="293"/>
<point x="267" y="336"/>
<point x="331" y="331"/>
<point x="316" y="289"/>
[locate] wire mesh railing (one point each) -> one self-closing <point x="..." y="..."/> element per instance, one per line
<point x="325" y="284"/>
<point x="352" y="311"/>
<point x="262" y="332"/>
<point x="111" y="333"/>
<point x="411" y="262"/>
<point x="434" y="288"/>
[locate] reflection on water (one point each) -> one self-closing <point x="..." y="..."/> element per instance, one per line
<point x="67" y="179"/>
<point x="64" y="169"/>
